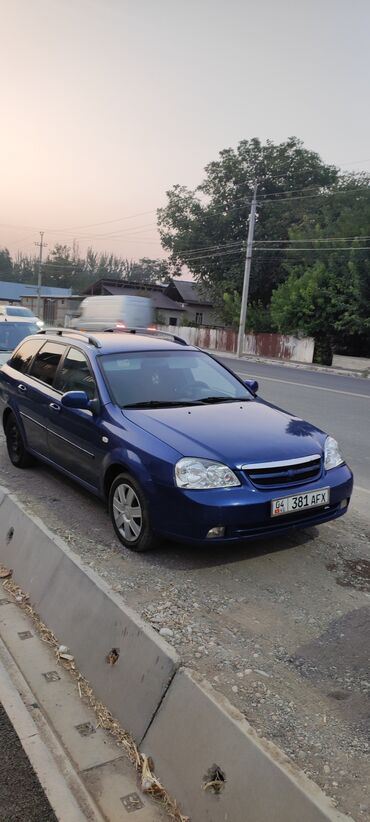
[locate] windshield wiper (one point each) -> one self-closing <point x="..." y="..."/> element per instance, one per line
<point x="161" y="404"/>
<point x="216" y="399"/>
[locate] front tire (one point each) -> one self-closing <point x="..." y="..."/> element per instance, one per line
<point x="17" y="451"/>
<point x="128" y="511"/>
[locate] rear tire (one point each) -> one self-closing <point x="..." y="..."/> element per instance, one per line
<point x="17" y="451"/>
<point x="129" y="513"/>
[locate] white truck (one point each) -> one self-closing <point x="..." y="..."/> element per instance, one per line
<point x="114" y="312"/>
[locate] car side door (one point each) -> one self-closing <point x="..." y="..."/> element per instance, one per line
<point x="74" y="434"/>
<point x="35" y="393"/>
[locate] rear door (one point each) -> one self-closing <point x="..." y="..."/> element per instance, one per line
<point x="35" y="393"/>
<point x="75" y="435"/>
<point x="15" y="387"/>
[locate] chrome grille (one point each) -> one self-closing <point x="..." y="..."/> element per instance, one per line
<point x="284" y="473"/>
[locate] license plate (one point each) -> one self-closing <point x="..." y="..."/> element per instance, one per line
<point x="298" y="502"/>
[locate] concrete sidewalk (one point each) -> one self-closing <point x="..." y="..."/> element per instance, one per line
<point x="55" y="762"/>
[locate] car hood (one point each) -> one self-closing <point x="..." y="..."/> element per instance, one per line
<point x="235" y="433"/>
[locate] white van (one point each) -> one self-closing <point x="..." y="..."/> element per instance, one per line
<point x="108" y="313"/>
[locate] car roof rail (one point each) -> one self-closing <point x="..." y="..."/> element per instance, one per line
<point x="149" y="332"/>
<point x="70" y="332"/>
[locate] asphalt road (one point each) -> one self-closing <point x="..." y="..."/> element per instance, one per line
<point x="338" y="405"/>
<point x="22" y="798"/>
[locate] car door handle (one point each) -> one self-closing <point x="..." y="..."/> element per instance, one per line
<point x="54" y="406"/>
<point x="22" y="387"/>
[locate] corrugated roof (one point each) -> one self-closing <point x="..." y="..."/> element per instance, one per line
<point x="14" y="291"/>
<point x="191" y="293"/>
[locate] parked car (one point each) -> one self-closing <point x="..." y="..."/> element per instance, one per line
<point x="8" y="313"/>
<point x="179" y="445"/>
<point x="120" y="312"/>
<point x="11" y="334"/>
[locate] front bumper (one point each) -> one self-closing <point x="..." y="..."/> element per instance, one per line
<point x="245" y="511"/>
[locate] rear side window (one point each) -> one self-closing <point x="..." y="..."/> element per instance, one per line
<point x="46" y="362"/>
<point x="22" y="358"/>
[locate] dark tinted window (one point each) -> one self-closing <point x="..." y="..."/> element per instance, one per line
<point x="22" y="358"/>
<point x="75" y="375"/>
<point x="46" y="362"/>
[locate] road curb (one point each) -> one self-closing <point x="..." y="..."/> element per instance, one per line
<point x="89" y="618"/>
<point x="197" y="733"/>
<point x="189" y="730"/>
<point x="303" y="366"/>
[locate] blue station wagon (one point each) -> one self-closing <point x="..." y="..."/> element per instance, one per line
<point x="178" y="445"/>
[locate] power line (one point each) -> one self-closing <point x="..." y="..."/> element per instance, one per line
<point x="314" y="240"/>
<point x="333" y="193"/>
<point x="116" y="220"/>
<point x="329" y="248"/>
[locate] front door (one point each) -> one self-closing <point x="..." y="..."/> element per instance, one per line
<point x="75" y="435"/>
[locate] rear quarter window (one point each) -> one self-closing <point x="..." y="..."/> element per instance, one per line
<point x="22" y="358"/>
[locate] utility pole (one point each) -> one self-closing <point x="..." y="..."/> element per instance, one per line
<point x="41" y="245"/>
<point x="247" y="271"/>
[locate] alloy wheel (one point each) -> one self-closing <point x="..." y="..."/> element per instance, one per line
<point x="127" y="512"/>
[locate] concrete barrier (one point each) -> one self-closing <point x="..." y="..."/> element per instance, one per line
<point x="192" y="733"/>
<point x="351" y="363"/>
<point x="85" y="615"/>
<point x="198" y="735"/>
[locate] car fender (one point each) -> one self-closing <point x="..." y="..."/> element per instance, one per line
<point x="8" y="408"/>
<point x="148" y="469"/>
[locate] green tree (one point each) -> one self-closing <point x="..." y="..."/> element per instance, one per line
<point x="258" y="315"/>
<point x="149" y="271"/>
<point x="195" y="225"/>
<point x="327" y="292"/>
<point x="59" y="269"/>
<point x="25" y="269"/>
<point x="6" y="265"/>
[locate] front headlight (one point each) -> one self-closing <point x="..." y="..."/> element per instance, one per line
<point x="194" y="473"/>
<point x="333" y="457"/>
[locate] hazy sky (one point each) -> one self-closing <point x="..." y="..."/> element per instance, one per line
<point x="105" y="104"/>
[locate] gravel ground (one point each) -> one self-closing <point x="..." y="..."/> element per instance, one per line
<point x="280" y="626"/>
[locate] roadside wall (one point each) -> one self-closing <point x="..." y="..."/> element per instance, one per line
<point x="280" y="346"/>
<point x="353" y="363"/>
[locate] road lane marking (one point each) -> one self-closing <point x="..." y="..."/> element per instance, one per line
<point x="304" y="385"/>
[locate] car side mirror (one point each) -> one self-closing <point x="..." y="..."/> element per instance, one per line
<point x="252" y="385"/>
<point x="76" y="399"/>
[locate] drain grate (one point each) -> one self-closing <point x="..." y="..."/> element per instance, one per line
<point x="85" y="729"/>
<point x="51" y="676"/>
<point x="25" y="634"/>
<point x="132" y="802"/>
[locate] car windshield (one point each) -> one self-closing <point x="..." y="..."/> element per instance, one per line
<point x="153" y="379"/>
<point x="14" y="311"/>
<point x="11" y="334"/>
